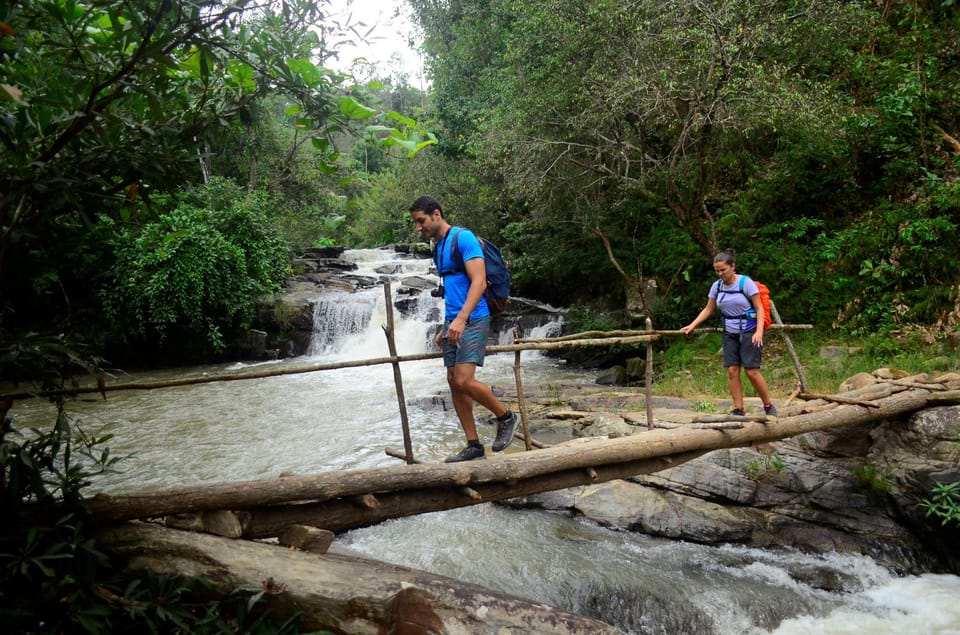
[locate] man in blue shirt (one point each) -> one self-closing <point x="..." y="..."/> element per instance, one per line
<point x="466" y="327"/>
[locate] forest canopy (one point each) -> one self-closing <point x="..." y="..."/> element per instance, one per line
<point x="163" y="161"/>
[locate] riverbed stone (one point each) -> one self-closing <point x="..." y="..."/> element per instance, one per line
<point x="849" y="490"/>
<point x="613" y="376"/>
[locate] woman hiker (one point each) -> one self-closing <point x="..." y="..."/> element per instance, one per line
<point x="742" y="330"/>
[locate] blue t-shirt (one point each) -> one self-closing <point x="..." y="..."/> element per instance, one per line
<point x="733" y="304"/>
<point x="456" y="284"/>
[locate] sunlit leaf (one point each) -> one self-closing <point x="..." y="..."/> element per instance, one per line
<point x="354" y="109"/>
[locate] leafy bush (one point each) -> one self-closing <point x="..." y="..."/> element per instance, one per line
<point x="944" y="504"/>
<point x="53" y="576"/>
<point x="197" y="267"/>
<point x="869" y="475"/>
<point x="765" y="466"/>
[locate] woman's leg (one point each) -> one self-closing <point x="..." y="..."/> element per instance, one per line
<point x="735" y="385"/>
<point x="759" y="384"/>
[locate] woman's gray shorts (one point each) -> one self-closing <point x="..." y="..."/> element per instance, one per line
<point x="473" y="343"/>
<point x="739" y="350"/>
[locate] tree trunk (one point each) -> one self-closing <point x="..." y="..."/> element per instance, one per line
<point x="336" y="501"/>
<point x="335" y="592"/>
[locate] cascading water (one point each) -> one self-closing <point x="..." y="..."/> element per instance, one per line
<point x="343" y="419"/>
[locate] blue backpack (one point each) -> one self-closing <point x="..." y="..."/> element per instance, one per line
<point x="498" y="276"/>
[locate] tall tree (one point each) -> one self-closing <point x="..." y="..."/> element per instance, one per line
<point x="105" y="103"/>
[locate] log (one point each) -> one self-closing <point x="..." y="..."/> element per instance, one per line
<point x="224" y="523"/>
<point x="305" y="538"/>
<point x="339" y="517"/>
<point x="947" y="397"/>
<point x="335" y="592"/>
<point x="810" y="396"/>
<point x="436" y="480"/>
<point x="633" y="332"/>
<point x="728" y="417"/>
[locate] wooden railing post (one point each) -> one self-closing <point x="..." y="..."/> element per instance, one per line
<point x="775" y="317"/>
<point x="397" y="380"/>
<point x="521" y="402"/>
<point x="648" y="378"/>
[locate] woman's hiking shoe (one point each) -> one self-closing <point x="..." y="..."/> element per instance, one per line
<point x="738" y="412"/>
<point x="505" y="431"/>
<point x="770" y="411"/>
<point x="468" y="453"/>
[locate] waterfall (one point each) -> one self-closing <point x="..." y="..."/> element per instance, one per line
<point x="337" y="315"/>
<point x="348" y="325"/>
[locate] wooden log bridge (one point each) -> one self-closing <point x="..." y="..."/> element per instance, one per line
<point x="342" y="500"/>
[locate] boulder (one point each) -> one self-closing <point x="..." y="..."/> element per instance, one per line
<point x="852" y="489"/>
<point x="614" y="376"/>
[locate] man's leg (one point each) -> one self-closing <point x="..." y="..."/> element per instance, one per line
<point x="458" y="377"/>
<point x="463" y="382"/>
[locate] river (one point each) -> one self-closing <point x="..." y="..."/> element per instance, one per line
<point x="344" y="419"/>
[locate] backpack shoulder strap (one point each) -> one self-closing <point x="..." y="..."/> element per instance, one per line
<point x="455" y="256"/>
<point x="454" y="250"/>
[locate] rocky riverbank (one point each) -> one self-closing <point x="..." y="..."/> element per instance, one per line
<point x="856" y="489"/>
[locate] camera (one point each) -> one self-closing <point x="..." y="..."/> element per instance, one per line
<point x="437" y="293"/>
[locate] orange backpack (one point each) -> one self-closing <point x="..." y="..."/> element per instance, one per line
<point x="764" y="301"/>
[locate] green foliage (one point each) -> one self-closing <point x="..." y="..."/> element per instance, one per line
<point x="53" y="576"/>
<point x="704" y="406"/>
<point x="764" y="467"/>
<point x="944" y="503"/>
<point x="812" y="145"/>
<point x="584" y="318"/>
<point x="199" y="265"/>
<point x="870" y="476"/>
<point x="107" y="109"/>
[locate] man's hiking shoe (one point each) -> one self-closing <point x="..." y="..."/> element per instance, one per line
<point x="738" y="412"/>
<point x="505" y="431"/>
<point x="770" y="411"/>
<point x="468" y="453"/>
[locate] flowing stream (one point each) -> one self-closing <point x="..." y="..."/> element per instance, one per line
<point x="343" y="419"/>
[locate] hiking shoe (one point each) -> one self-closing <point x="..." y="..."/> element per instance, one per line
<point x="505" y="431"/>
<point x="770" y="411"/>
<point x="468" y="453"/>
<point x="738" y="412"/>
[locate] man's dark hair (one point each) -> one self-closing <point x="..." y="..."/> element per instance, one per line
<point x="426" y="204"/>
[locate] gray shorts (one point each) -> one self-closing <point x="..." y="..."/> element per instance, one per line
<point x="739" y="350"/>
<point x="473" y="343"/>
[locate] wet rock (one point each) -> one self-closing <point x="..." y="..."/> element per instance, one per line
<point x="417" y="283"/>
<point x="323" y="253"/>
<point x="615" y="376"/>
<point x="636" y="368"/>
<point x="362" y="282"/>
<point x="849" y="490"/>
<point x="851" y="441"/>
<point x="389" y="270"/>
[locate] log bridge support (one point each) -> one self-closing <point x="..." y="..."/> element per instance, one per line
<point x="343" y="500"/>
